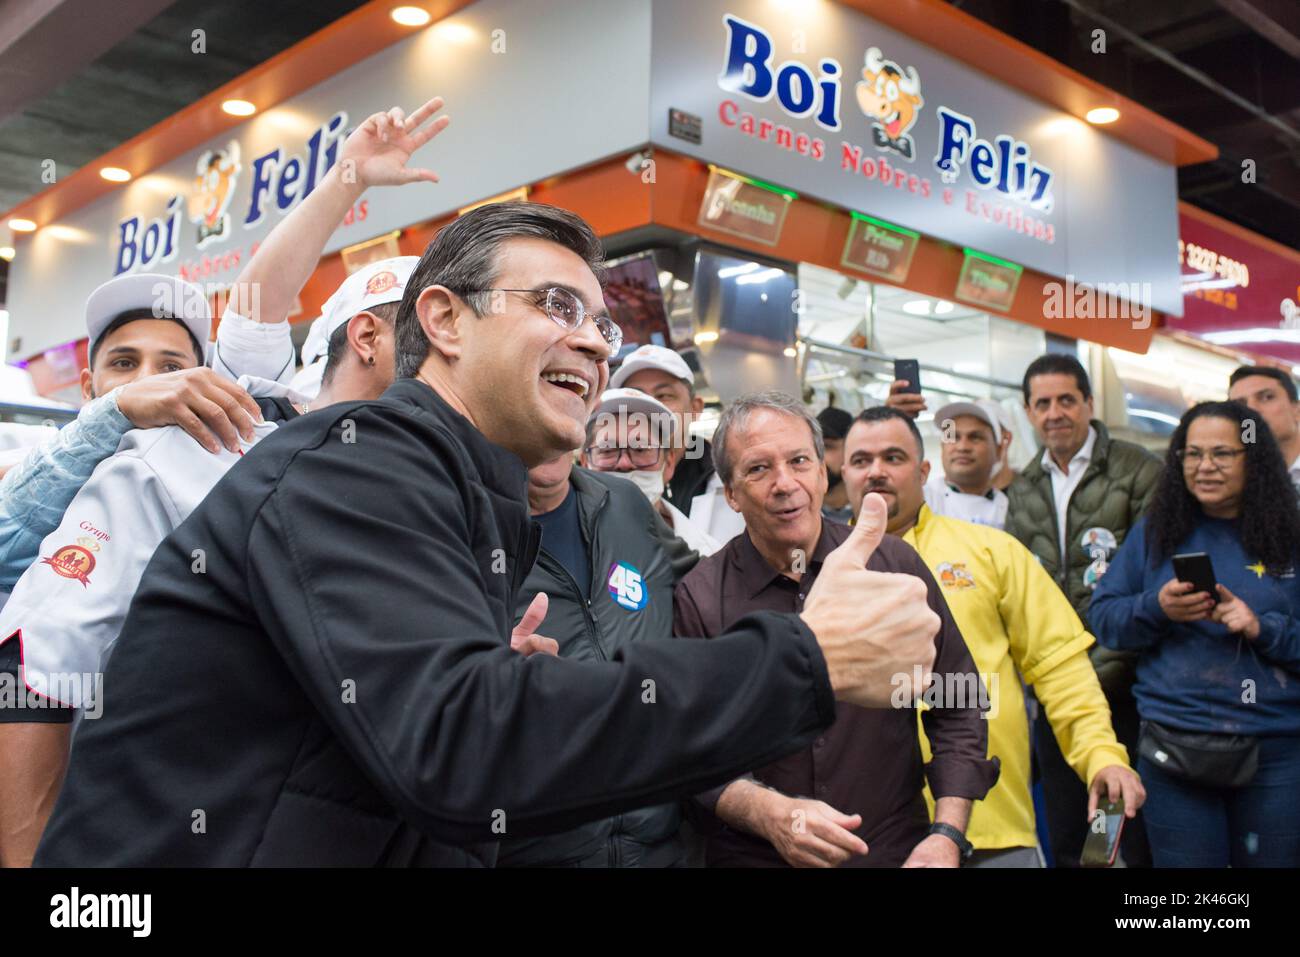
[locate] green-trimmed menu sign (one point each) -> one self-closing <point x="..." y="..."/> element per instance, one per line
<point x="987" y="281"/>
<point x="744" y="207"/>
<point x="880" y="248"/>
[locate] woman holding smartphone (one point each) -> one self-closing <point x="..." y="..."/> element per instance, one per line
<point x="1218" y="680"/>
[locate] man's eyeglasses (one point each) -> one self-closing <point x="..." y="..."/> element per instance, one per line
<point x="1222" y="458"/>
<point x="567" y="311"/>
<point x="606" y="458"/>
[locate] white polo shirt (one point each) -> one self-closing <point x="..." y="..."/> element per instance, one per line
<point x="1064" y="483"/>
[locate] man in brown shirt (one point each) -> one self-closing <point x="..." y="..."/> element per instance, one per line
<point x="859" y="785"/>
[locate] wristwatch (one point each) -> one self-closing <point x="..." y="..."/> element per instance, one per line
<point x="956" y="836"/>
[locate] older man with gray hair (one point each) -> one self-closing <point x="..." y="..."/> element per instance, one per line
<point x="859" y="785"/>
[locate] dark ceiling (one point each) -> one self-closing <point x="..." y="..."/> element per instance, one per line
<point x="92" y="74"/>
<point x="1228" y="70"/>
<point x="52" y="107"/>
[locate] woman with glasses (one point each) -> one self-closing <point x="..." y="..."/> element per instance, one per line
<point x="1218" y="681"/>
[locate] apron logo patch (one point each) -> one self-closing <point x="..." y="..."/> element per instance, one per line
<point x="72" y="561"/>
<point x="626" y="586"/>
<point x="954" y="575"/>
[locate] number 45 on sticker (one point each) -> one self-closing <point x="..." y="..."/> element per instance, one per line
<point x="626" y="586"/>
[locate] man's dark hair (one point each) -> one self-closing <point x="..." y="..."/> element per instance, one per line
<point x="835" y="422"/>
<point x="1245" y="372"/>
<point x="465" y="254"/>
<point x="338" y="344"/>
<point x="133" y="315"/>
<point x="1057" y="363"/>
<point x="883" y="413"/>
<point x="1269" y="522"/>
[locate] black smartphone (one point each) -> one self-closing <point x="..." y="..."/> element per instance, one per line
<point x="1195" y="567"/>
<point x="909" y="370"/>
<point x="1102" y="844"/>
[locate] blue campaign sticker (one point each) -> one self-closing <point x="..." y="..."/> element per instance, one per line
<point x="627" y="587"/>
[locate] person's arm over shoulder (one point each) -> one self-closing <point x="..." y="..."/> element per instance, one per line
<point x="1125" y="615"/>
<point x="35" y="493"/>
<point x="1050" y="649"/>
<point x="452" y="726"/>
<point x="959" y="736"/>
<point x="69" y="606"/>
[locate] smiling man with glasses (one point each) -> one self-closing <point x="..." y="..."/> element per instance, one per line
<point x="347" y="690"/>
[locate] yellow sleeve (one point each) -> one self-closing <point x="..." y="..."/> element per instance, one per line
<point x="1049" y="646"/>
<point x="1076" y="708"/>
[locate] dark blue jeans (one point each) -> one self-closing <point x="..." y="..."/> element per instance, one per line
<point x="1254" y="826"/>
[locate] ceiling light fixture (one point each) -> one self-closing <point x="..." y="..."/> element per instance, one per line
<point x="410" y="16"/>
<point x="238" y="108"/>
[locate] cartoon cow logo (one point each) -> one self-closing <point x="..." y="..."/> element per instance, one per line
<point x="892" y="100"/>
<point x="217" y="173"/>
<point x="955" y="575"/>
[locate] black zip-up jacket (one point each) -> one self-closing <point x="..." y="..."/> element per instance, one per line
<point x="315" y="670"/>
<point x="635" y="564"/>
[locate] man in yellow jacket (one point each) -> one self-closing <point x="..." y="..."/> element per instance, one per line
<point x="1018" y="626"/>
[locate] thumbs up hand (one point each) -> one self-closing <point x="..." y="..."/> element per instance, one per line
<point x="873" y="627"/>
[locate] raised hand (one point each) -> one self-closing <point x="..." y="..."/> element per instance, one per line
<point x="378" y="150"/>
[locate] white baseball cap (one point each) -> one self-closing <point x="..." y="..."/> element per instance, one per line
<point x="372" y="285"/>
<point x="651" y="357"/>
<point x="986" y="410"/>
<point x="167" y="297"/>
<point x="626" y="401"/>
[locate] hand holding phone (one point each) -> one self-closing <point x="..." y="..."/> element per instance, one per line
<point x="1192" y="595"/>
<point x="909" y="371"/>
<point x="1102" y="844"/>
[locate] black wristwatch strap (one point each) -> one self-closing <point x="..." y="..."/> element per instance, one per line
<point x="956" y="836"/>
